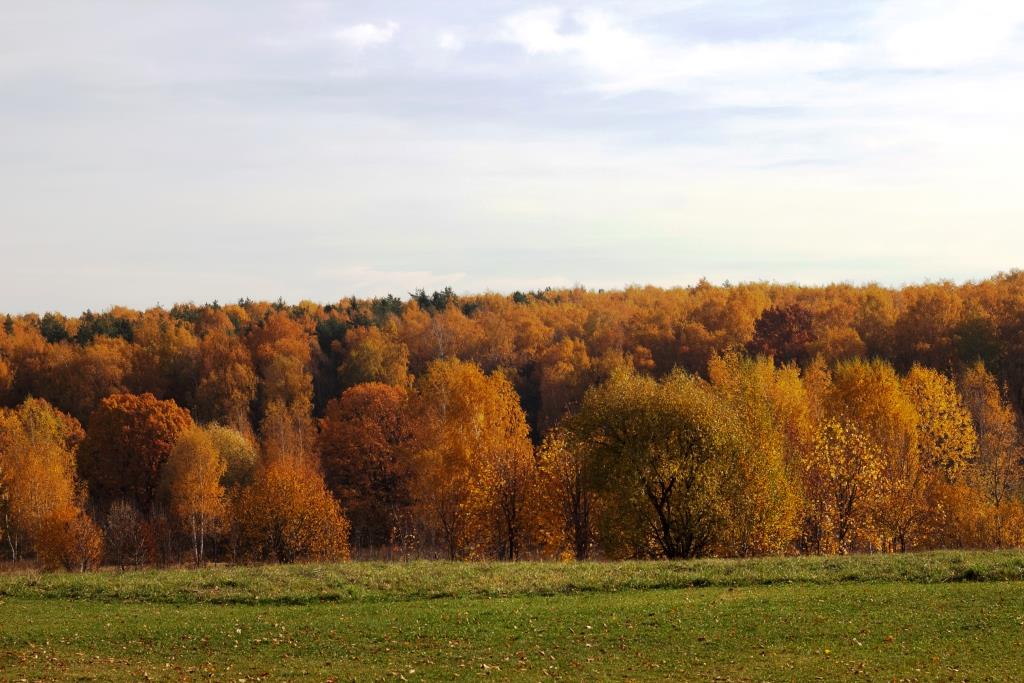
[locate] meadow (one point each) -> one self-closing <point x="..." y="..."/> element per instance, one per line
<point x="928" y="616"/>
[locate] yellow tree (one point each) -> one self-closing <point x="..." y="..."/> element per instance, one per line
<point x="945" y="430"/>
<point x="948" y="446"/>
<point x="470" y="450"/>
<point x="37" y="472"/>
<point x="192" y="477"/>
<point x="654" y="453"/>
<point x="238" y="452"/>
<point x="773" y="425"/>
<point x="841" y="483"/>
<point x="567" y="501"/>
<point x="504" y="493"/>
<point x="869" y="396"/>
<point x="374" y="356"/>
<point x="999" y="470"/>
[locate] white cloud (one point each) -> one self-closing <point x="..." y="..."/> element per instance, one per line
<point x="360" y="36"/>
<point x="450" y="41"/>
<point x="947" y="33"/>
<point x="537" y="31"/>
<point x="622" y="60"/>
<point x="616" y="58"/>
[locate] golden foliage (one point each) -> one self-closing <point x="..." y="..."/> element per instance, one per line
<point x="472" y="459"/>
<point x="870" y="395"/>
<point x="768" y="413"/>
<point x="887" y="454"/>
<point x="565" y="370"/>
<point x="374" y="356"/>
<point x="568" y="505"/>
<point x="166" y="358"/>
<point x="192" y="479"/>
<point x="945" y="430"/>
<point x="286" y="514"/>
<point x="37" y="472"/>
<point x="842" y="487"/>
<point x="999" y="469"/>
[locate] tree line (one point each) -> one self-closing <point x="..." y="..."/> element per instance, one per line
<point x="733" y="420"/>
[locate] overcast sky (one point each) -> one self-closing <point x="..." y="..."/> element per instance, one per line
<point x="194" y="150"/>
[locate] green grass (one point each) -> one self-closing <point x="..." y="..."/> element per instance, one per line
<point x="932" y="616"/>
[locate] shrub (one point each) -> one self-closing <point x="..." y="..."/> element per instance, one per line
<point x="69" y="540"/>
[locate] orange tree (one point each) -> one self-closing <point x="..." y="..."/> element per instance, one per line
<point x="286" y="514"/>
<point x="37" y="468"/>
<point x="69" y="539"/>
<point x="227" y="380"/>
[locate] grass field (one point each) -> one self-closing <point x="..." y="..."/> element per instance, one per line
<point x="933" y="616"/>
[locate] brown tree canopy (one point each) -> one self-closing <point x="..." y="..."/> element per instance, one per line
<point x="229" y="363"/>
<point x="784" y="333"/>
<point x="363" y="444"/>
<point x="128" y="440"/>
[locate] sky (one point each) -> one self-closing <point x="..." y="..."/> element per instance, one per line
<point x="153" y="153"/>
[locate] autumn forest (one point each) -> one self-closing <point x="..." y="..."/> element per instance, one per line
<point x="722" y="421"/>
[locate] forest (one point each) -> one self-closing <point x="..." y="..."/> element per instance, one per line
<point x="705" y="421"/>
